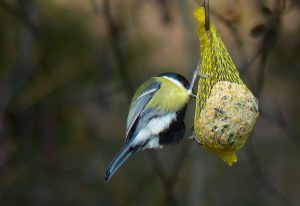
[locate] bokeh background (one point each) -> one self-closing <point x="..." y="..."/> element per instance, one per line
<point x="68" y="69"/>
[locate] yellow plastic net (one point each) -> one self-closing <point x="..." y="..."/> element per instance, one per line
<point x="223" y="119"/>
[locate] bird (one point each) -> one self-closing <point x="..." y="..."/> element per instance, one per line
<point x="156" y="117"/>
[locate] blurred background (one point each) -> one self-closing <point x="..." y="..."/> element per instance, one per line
<point x="68" y="69"/>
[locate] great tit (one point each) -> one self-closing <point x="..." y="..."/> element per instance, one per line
<point x="156" y="116"/>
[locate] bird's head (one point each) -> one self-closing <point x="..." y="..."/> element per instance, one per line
<point x="177" y="79"/>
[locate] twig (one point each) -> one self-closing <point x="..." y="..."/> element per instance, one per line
<point x="19" y="14"/>
<point x="25" y="64"/>
<point x="281" y="123"/>
<point x="96" y="6"/>
<point x="10" y="9"/>
<point x="114" y="31"/>
<point x="263" y="179"/>
<point x="237" y="38"/>
<point x="181" y="160"/>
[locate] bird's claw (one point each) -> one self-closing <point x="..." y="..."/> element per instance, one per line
<point x="203" y="75"/>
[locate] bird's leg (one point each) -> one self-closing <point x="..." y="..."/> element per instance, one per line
<point x="190" y="91"/>
<point x="194" y="137"/>
<point x="197" y="73"/>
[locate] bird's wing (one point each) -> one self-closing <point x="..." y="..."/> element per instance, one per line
<point x="143" y="95"/>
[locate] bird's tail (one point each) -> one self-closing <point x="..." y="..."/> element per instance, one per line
<point x="119" y="159"/>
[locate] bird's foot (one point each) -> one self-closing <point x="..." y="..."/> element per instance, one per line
<point x="197" y="73"/>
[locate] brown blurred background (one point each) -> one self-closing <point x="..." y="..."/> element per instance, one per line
<point x="67" y="72"/>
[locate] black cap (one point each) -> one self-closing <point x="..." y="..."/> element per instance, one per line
<point x="177" y="77"/>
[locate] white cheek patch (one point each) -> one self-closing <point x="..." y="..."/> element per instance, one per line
<point x="178" y="83"/>
<point x="152" y="129"/>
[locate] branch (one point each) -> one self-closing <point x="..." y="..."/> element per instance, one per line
<point x="234" y="33"/>
<point x="11" y="10"/>
<point x="96" y="6"/>
<point x="115" y="39"/>
<point x="267" y="185"/>
<point x="19" y="14"/>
